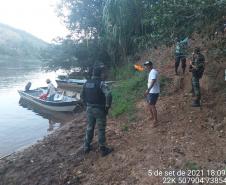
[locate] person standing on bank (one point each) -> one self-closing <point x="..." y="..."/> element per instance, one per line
<point x="180" y="55"/>
<point x="97" y="97"/>
<point x="197" y="67"/>
<point x="152" y="93"/>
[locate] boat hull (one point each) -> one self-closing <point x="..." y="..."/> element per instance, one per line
<point x="49" y="105"/>
<point x="65" y="84"/>
<point x="74" y="83"/>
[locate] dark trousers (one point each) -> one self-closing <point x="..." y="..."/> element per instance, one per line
<point x="196" y="87"/>
<point x="178" y="59"/>
<point x="95" y="116"/>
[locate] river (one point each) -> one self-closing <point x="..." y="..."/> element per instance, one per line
<point x="22" y="125"/>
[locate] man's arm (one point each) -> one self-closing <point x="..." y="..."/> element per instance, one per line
<point x="152" y="77"/>
<point x="199" y="64"/>
<point x="184" y="41"/>
<point x="152" y="84"/>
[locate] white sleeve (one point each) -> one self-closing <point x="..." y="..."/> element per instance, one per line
<point x="153" y="75"/>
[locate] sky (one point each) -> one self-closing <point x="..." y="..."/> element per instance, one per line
<point x="37" y="17"/>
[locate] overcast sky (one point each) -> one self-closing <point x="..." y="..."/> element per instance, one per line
<point x="37" y="17"/>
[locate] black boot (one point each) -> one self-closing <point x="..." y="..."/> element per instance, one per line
<point x="196" y="103"/>
<point x="87" y="149"/>
<point x="105" y="151"/>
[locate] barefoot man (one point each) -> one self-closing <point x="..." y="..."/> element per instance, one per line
<point x="152" y="93"/>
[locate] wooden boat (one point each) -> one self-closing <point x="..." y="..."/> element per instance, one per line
<point x="61" y="103"/>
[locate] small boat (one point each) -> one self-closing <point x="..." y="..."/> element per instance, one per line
<point x="77" y="83"/>
<point x="61" y="102"/>
<point x="74" y="83"/>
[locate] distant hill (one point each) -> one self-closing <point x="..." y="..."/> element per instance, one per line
<point x="20" y="44"/>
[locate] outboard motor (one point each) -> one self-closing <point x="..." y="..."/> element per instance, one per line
<point x="28" y="86"/>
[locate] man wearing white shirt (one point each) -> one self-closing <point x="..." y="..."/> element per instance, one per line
<point x="152" y="93"/>
<point x="51" y="90"/>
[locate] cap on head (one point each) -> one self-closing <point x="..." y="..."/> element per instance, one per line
<point x="48" y="81"/>
<point x="148" y="63"/>
<point x="197" y="50"/>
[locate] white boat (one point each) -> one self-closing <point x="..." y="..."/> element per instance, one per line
<point x="70" y="82"/>
<point x="74" y="83"/>
<point x="61" y="102"/>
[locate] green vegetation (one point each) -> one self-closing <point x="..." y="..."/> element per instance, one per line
<point x="164" y="83"/>
<point x="111" y="31"/>
<point x="130" y="88"/>
<point x="108" y="31"/>
<point x="15" y="43"/>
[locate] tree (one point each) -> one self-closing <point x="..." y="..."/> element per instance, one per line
<point x="110" y="30"/>
<point x="122" y="20"/>
<point x="82" y="17"/>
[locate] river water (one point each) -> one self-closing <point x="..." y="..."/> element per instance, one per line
<point x="21" y="124"/>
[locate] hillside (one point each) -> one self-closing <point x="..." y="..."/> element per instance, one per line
<point x="18" y="43"/>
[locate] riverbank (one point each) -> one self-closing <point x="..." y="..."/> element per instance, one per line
<point x="47" y="161"/>
<point x="186" y="139"/>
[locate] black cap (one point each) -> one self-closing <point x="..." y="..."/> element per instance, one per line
<point x="148" y="63"/>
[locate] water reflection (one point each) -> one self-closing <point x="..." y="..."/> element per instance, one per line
<point x="55" y="119"/>
<point x="22" y="124"/>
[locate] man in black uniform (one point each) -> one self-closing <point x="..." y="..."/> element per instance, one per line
<point x="97" y="97"/>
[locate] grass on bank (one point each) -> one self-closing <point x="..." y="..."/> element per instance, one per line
<point x="129" y="89"/>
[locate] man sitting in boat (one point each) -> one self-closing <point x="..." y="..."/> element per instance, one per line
<point x="51" y="90"/>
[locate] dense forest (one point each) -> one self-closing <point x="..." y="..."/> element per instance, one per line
<point x="17" y="43"/>
<point x="108" y="31"/>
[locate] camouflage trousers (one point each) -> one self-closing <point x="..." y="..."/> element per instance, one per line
<point x="196" y="87"/>
<point x="95" y="115"/>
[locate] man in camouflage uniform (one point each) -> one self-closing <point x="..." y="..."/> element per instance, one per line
<point x="97" y="97"/>
<point x="180" y="54"/>
<point x="197" y="67"/>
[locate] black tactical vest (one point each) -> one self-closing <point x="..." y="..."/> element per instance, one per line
<point x="93" y="93"/>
